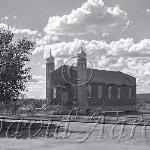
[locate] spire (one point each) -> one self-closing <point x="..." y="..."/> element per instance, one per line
<point x="82" y="48"/>
<point x="50" y="58"/>
<point x="82" y="52"/>
<point x="50" y="53"/>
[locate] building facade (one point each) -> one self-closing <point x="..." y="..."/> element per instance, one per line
<point x="89" y="89"/>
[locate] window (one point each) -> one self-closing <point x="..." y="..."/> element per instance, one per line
<point x="118" y="92"/>
<point x="54" y="92"/>
<point x="89" y="90"/>
<point x="109" y="91"/>
<point x="130" y="92"/>
<point x="100" y="91"/>
<point x="83" y="66"/>
<point x="74" y="92"/>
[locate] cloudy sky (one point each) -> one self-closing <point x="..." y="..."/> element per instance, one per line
<point x="116" y="35"/>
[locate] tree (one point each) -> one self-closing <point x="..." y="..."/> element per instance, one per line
<point x="13" y="71"/>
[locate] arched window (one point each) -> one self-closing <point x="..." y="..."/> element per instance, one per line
<point x="100" y="90"/>
<point x="118" y="93"/>
<point x="74" y="91"/>
<point x="54" y="92"/>
<point x="109" y="91"/>
<point x="130" y="92"/>
<point x="83" y="66"/>
<point x="89" y="91"/>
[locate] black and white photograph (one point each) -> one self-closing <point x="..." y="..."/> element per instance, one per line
<point x="74" y="74"/>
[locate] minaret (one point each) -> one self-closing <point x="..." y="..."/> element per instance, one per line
<point x="82" y="79"/>
<point x="50" y="67"/>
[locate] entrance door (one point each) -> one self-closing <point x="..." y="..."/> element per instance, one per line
<point x="64" y="98"/>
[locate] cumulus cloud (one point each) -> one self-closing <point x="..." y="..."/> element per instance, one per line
<point x="140" y="49"/>
<point x="123" y="55"/>
<point x="105" y="34"/>
<point x="6" y="17"/>
<point x="47" y="39"/>
<point x="3" y="25"/>
<point x="18" y="31"/>
<point x="27" y="31"/>
<point x="127" y="48"/>
<point x="44" y="43"/>
<point x="121" y="48"/>
<point x="92" y="17"/>
<point x="36" y="87"/>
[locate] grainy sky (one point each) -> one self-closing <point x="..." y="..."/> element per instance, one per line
<point x="116" y="34"/>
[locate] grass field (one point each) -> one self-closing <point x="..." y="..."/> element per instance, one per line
<point x="78" y="131"/>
